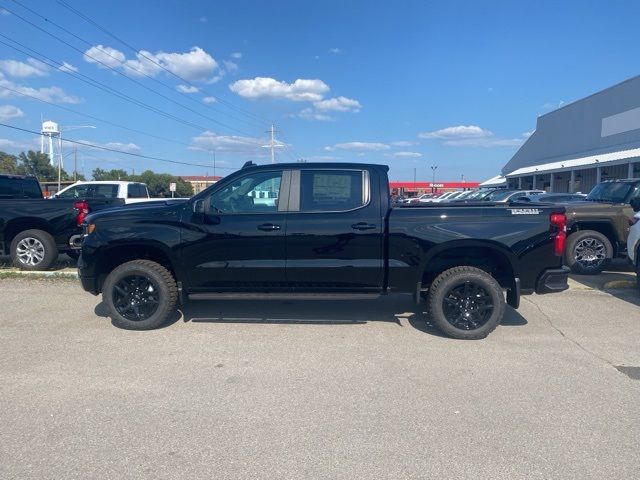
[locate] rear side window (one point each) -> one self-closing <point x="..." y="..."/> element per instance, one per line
<point x="103" y="191"/>
<point x="137" y="190"/>
<point x="31" y="189"/>
<point x="10" y="188"/>
<point x="331" y="190"/>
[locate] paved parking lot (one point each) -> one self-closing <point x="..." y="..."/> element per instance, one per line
<point x="317" y="390"/>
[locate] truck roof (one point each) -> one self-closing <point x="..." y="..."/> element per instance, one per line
<point x="12" y="175"/>
<point x="307" y="166"/>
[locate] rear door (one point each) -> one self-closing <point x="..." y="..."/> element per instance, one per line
<point x="335" y="230"/>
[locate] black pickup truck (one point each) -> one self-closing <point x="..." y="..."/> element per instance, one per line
<point x="321" y="231"/>
<point x="33" y="230"/>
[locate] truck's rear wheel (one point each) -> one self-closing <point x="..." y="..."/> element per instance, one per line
<point x="34" y="250"/>
<point x="466" y="303"/>
<point x="140" y="295"/>
<point x="588" y="252"/>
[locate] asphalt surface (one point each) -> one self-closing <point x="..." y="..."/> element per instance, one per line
<point x="344" y="390"/>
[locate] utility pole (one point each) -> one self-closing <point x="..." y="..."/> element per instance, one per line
<point x="273" y="143"/>
<point x="75" y="163"/>
<point x="433" y="177"/>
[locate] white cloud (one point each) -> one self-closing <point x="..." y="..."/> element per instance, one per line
<point x="4" y="12"/>
<point x="338" y="104"/>
<point x="209" y="100"/>
<point x="469" y="136"/>
<point x="125" y="147"/>
<point x="187" y="88"/>
<point x="457" y="133"/>
<point x="407" y="154"/>
<point x="302" y="90"/>
<point x="230" y="66"/>
<point x="553" y="106"/>
<point x="196" y="65"/>
<point x="203" y="19"/>
<point x="527" y="134"/>
<point x="311" y="114"/>
<point x="104" y="56"/>
<point x="208" y="141"/>
<point x="48" y="94"/>
<point x="33" y="144"/>
<point x="403" y="143"/>
<point x="322" y="158"/>
<point x="359" y="146"/>
<point x="335" y="51"/>
<point x="67" y="67"/>
<point x="30" y="68"/>
<point x="236" y="55"/>
<point x="7" y="112"/>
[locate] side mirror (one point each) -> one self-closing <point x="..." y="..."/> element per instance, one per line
<point x="635" y="204"/>
<point x="198" y="206"/>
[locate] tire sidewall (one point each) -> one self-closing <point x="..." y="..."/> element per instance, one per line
<point x="47" y="241"/>
<point x="488" y="284"/>
<point x="577" y="237"/>
<point x="164" y="304"/>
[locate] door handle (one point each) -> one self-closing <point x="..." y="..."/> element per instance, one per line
<point x="268" y="227"/>
<point x="363" y="226"/>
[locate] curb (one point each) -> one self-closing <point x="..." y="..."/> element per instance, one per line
<point x="27" y="274"/>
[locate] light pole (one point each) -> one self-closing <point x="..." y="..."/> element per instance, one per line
<point x="65" y="129"/>
<point x="433" y="177"/>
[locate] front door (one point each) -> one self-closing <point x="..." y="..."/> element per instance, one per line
<point x="239" y="242"/>
<point x="334" y="231"/>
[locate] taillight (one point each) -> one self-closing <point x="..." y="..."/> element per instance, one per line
<point x="559" y="221"/>
<point x="82" y="210"/>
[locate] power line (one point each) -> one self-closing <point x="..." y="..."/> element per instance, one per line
<point x="103" y="87"/>
<point x="122" y="152"/>
<point x="108" y="122"/>
<point x="139" y="52"/>
<point x="109" y="67"/>
<point x="123" y="63"/>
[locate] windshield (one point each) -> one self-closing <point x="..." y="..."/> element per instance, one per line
<point x="614" y="192"/>
<point x="499" y="195"/>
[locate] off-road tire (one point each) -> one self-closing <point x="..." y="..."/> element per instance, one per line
<point x="570" y="252"/>
<point x="457" y="276"/>
<point x="159" y="276"/>
<point x="40" y="238"/>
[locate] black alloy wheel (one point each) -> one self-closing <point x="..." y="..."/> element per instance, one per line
<point x="467" y="306"/>
<point x="135" y="297"/>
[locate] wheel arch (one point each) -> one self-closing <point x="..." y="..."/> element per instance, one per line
<point x="602" y="226"/>
<point x="115" y="255"/>
<point x="485" y="255"/>
<point x="17" y="225"/>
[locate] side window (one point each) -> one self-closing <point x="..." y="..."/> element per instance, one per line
<point x="79" y="191"/>
<point x="31" y="189"/>
<point x="331" y="190"/>
<point x="10" y="188"/>
<point x="254" y="193"/>
<point x="635" y="193"/>
<point x="136" y="190"/>
<point x="104" y="191"/>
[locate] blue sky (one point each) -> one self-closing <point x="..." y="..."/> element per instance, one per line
<point x="407" y="83"/>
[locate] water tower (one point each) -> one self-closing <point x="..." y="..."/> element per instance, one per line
<point x="51" y="130"/>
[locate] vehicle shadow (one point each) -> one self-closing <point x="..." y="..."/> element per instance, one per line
<point x="619" y="280"/>
<point x="64" y="261"/>
<point x="393" y="309"/>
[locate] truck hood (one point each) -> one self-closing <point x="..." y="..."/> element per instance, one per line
<point x="137" y="209"/>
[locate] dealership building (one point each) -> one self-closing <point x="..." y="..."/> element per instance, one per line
<point x="582" y="143"/>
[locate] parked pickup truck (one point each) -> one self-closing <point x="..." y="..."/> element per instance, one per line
<point x="598" y="227"/>
<point x="129" y="192"/>
<point x="34" y="230"/>
<point x="328" y="231"/>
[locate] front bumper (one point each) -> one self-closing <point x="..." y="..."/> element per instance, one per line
<point x="553" y="280"/>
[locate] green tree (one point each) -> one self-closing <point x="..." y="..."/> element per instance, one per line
<point x="8" y="163"/>
<point x="38" y="164"/>
<point x="114" y="174"/>
<point x="158" y="184"/>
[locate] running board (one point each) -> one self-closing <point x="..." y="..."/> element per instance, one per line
<point x="282" y="296"/>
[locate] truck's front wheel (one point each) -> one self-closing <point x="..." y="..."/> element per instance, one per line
<point x="466" y="303"/>
<point x="140" y="295"/>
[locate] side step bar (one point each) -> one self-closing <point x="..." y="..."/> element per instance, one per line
<point x="282" y="296"/>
